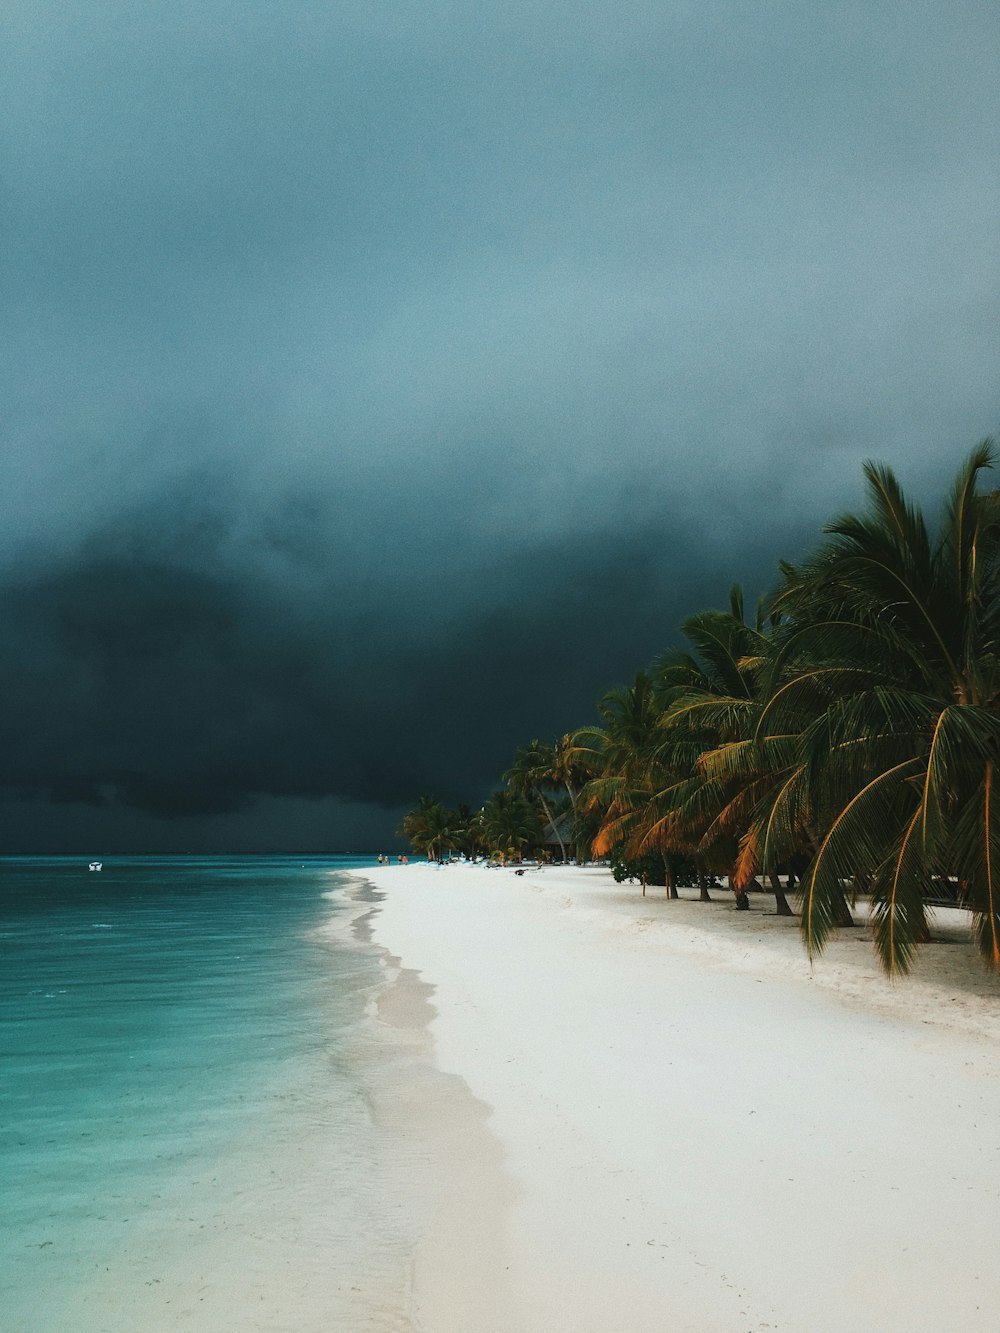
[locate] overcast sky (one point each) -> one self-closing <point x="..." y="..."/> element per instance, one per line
<point x="383" y="381"/>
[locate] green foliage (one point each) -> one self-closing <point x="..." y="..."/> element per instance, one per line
<point x="434" y="830"/>
<point x="652" y="866"/>
<point x="510" y="824"/>
<point x="889" y="675"/>
<point x="648" y="867"/>
<point x="851" y="732"/>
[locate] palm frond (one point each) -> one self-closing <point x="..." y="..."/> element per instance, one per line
<point x="781" y="831"/>
<point x="976" y="849"/>
<point x="748" y="861"/>
<point x="732" y="761"/>
<point x="733" y="815"/>
<point x="721" y="641"/>
<point x="898" y="888"/>
<point x="726" y="716"/>
<point x="962" y="519"/>
<point x="962" y="740"/>
<point x="855" y="840"/>
<point x="799" y="699"/>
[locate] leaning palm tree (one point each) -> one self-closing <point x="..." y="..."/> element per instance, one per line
<point x="637" y="769"/>
<point x="702" y="698"/>
<point x="617" y="755"/>
<point x="742" y="785"/>
<point x="890" y="674"/>
<point x="708" y="701"/>
<point x="572" y="774"/>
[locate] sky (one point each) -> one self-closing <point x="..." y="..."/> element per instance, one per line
<point x="384" y="380"/>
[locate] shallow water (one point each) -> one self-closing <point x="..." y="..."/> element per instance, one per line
<point x="187" y="1137"/>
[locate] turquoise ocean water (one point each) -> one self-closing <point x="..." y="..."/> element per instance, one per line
<point x="187" y="1132"/>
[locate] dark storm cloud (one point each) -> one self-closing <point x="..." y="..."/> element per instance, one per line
<point x="381" y="381"/>
<point x="168" y="666"/>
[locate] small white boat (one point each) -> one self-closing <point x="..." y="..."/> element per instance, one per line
<point x="96" y="865"/>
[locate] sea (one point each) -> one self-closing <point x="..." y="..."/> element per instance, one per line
<point x="190" y="1081"/>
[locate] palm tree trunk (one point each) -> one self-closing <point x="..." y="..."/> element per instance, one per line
<point x="703" y="895"/>
<point x="780" y="901"/>
<point x="742" y="897"/>
<point x="548" y="816"/>
<point x="842" y="911"/>
<point x="668" y="878"/>
<point x="860" y="884"/>
<point x="582" y="849"/>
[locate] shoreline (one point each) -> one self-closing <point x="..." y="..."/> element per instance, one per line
<point x="438" y="1160"/>
<point x="690" y="1127"/>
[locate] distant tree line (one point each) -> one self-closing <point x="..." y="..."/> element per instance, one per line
<point x="843" y="740"/>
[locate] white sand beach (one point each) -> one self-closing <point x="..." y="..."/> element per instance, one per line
<point x="678" y="1124"/>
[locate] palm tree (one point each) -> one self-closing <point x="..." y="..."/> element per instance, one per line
<point x="633" y="771"/>
<point x="468" y="830"/>
<point x="533" y="772"/>
<point x="682" y="772"/>
<point x="430" y="827"/>
<point x="510" y="823"/>
<point x="890" y="675"/>
<point x="708" y="698"/>
<point x="617" y="756"/>
<point x="572" y="773"/>
<point x="693" y="702"/>
<point x="742" y="785"/>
